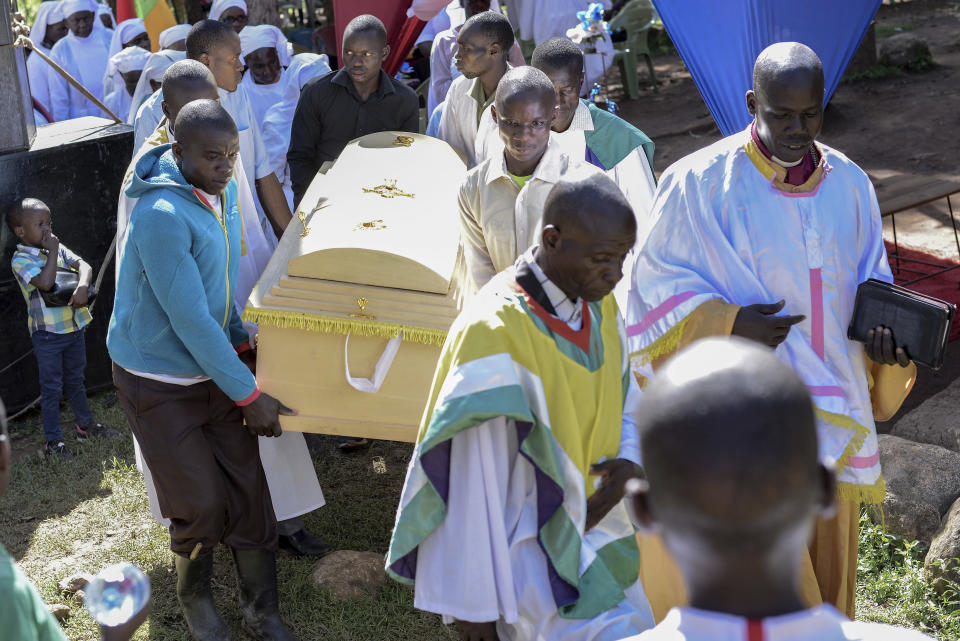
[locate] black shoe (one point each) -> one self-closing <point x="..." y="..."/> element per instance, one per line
<point x="257" y="575"/>
<point x="302" y="543"/>
<point x="95" y="430"/>
<point x="196" y="599"/>
<point x="57" y="449"/>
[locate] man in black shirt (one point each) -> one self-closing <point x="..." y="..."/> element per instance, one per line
<point x="358" y="99"/>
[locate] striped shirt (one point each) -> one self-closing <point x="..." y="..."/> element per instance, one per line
<point x="26" y="264"/>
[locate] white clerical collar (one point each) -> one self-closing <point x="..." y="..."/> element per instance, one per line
<point x="784" y="163"/>
<point x="569" y="311"/>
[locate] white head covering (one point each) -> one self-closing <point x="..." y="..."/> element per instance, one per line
<point x="156" y="65"/>
<point x="126" y="60"/>
<point x="71" y="7"/>
<point x="125" y="32"/>
<point x="265" y="35"/>
<point x="49" y="12"/>
<point x="173" y="34"/>
<point x="219" y="6"/>
<point x="303" y="68"/>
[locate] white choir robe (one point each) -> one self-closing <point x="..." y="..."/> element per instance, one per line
<point x="149" y="115"/>
<point x="540" y="20"/>
<point x="86" y="60"/>
<point x="725" y="236"/>
<point x="822" y="623"/>
<point x="38" y="75"/>
<point x="491" y="520"/>
<point x="262" y="97"/>
<point x="287" y="465"/>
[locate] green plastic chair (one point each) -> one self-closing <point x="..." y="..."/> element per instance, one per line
<point x="636" y="18"/>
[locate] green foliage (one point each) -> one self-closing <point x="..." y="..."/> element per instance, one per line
<point x="891" y="587"/>
<point x="28" y="8"/>
<point x="876" y="72"/>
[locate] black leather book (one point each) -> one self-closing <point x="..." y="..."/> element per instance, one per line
<point x="920" y="323"/>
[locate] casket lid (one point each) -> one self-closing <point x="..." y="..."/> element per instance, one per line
<point x="368" y="264"/>
<point x="362" y="237"/>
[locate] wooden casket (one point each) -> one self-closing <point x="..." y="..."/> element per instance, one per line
<point x="355" y="303"/>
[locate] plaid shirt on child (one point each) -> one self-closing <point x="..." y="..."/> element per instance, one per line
<point x="26" y="264"/>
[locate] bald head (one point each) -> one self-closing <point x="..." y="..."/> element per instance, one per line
<point x="729" y="445"/>
<point x="787" y="63"/>
<point x="587" y="231"/>
<point x="588" y="202"/>
<point x="184" y="82"/>
<point x="787" y="100"/>
<point x="201" y="118"/>
<point x="524" y="84"/>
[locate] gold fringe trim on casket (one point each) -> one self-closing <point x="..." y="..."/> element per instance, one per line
<point x="340" y="325"/>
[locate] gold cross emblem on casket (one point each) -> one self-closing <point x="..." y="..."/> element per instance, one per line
<point x="388" y="189"/>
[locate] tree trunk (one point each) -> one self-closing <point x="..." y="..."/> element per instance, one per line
<point x="263" y="12"/>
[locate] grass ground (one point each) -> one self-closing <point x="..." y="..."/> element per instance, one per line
<point x="61" y="518"/>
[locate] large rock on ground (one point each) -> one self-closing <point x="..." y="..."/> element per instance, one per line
<point x="906" y="51"/>
<point x="909" y="519"/>
<point x="350" y="575"/>
<point x="917" y="475"/>
<point x="941" y="563"/>
<point x="935" y="421"/>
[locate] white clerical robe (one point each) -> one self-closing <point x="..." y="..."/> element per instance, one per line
<point x="822" y="623"/>
<point x="491" y="520"/>
<point x="287" y="465"/>
<point x="86" y="60"/>
<point x="499" y="220"/>
<point x="728" y="232"/>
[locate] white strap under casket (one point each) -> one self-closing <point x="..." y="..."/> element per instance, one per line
<point x="371" y="385"/>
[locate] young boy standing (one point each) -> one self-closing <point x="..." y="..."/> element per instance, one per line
<point x="735" y="487"/>
<point x="57" y="332"/>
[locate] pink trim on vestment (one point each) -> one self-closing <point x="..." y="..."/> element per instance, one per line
<point x="816" y="307"/>
<point x="659" y="312"/>
<point x="825" y="390"/>
<point x="863" y="462"/>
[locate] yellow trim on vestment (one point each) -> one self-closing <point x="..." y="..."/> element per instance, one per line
<point x="714" y="317"/>
<point x="340" y="325"/>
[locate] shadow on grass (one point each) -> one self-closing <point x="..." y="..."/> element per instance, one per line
<point x="59" y="519"/>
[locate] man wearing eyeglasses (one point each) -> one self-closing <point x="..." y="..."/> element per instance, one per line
<point x="357" y="100"/>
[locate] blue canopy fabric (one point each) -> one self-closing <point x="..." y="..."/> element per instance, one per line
<point x="719" y="40"/>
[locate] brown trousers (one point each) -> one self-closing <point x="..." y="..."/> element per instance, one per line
<point x="204" y="462"/>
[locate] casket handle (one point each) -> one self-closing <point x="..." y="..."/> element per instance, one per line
<point x="371" y="385"/>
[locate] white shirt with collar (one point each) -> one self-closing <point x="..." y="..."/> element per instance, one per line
<point x="499" y="220"/>
<point x="459" y="121"/>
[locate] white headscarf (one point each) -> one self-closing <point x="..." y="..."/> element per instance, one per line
<point x="219" y="6"/>
<point x="156" y="65"/>
<point x="71" y="7"/>
<point x="173" y="34"/>
<point x="126" y="60"/>
<point x="48" y="13"/>
<point x="105" y="10"/>
<point x="276" y="124"/>
<point x="265" y="35"/>
<point x="125" y="32"/>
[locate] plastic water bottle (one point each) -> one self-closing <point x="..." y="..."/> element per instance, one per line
<point x="117" y="594"/>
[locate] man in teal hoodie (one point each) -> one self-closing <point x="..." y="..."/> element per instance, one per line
<point x="181" y="370"/>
